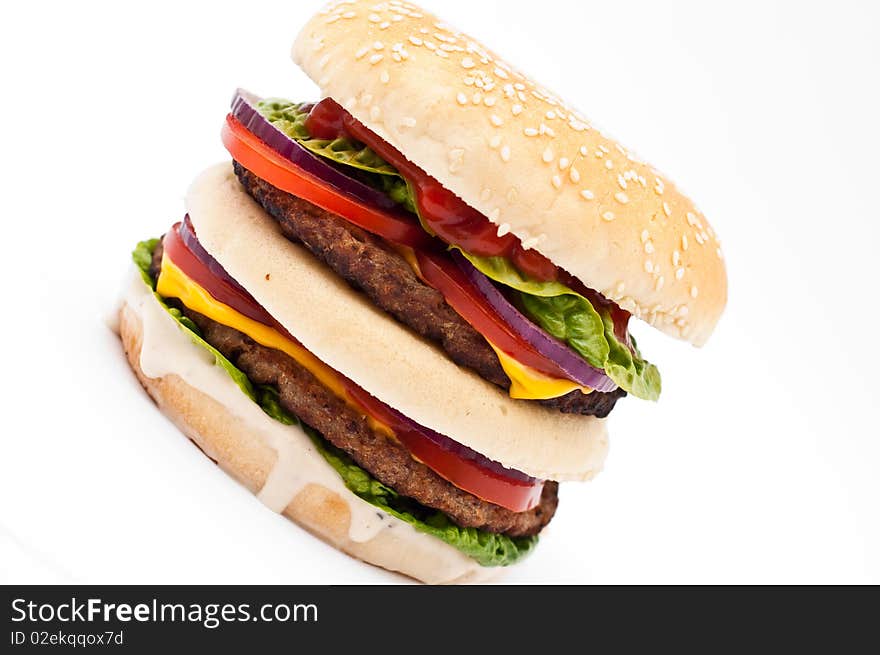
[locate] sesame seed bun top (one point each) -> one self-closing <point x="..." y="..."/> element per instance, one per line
<point x="517" y="153"/>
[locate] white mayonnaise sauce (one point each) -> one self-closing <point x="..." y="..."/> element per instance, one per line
<point x="166" y="349"/>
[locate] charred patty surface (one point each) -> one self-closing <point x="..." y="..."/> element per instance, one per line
<point x="369" y="265"/>
<point x="300" y="393"/>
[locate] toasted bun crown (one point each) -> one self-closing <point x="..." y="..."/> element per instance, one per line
<point x="517" y="153"/>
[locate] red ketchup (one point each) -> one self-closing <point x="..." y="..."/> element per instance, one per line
<point x="450" y="218"/>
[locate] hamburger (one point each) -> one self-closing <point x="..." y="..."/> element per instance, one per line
<point x="400" y="313"/>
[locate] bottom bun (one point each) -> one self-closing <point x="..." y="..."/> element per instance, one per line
<point x="239" y="450"/>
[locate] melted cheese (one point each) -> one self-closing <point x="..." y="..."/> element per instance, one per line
<point x="525" y="382"/>
<point x="528" y="384"/>
<point x="174" y="283"/>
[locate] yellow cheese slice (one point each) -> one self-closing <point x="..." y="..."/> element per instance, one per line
<point x="174" y="283"/>
<point x="528" y="384"/>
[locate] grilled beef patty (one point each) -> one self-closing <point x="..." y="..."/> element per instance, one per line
<point x="377" y="270"/>
<point x="387" y="460"/>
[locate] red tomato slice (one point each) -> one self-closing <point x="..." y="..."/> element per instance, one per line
<point x="458" y="464"/>
<point x="266" y="163"/>
<point x="442" y="274"/>
<point x="466" y="470"/>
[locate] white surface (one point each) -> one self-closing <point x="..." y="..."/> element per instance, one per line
<point x="760" y="462"/>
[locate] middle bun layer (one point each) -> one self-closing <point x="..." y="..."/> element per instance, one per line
<point x="343" y="329"/>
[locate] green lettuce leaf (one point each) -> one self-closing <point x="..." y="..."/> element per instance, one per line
<point x="487" y="548"/>
<point x="142" y="256"/>
<point x="370" y="168"/>
<point x="571" y="318"/>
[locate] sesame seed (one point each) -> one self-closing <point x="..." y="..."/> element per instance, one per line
<point x="557" y="181"/>
<point x="649" y="247"/>
<point x="349" y="14"/>
<point x="530" y="131"/>
<point x="691" y="219"/>
<point x="604" y="149"/>
<point x="621" y="197"/>
<point x="462" y="99"/>
<point x="666" y="209"/>
<point x="516" y="110"/>
<point x="584" y="151"/>
<point x="586" y="194"/>
<point x="408" y="121"/>
<point x="378" y="45"/>
<point x="699" y="238"/>
<point x="430" y="46"/>
<point x="519" y="86"/>
<point x="684" y="242"/>
<point x="548" y="155"/>
<point x="550" y="115"/>
<point x="679" y="273"/>
<point x="620" y="288"/>
<point x="361" y="52"/>
<point x="384" y="77"/>
<point x="718" y="252"/>
<point x="599" y="154"/>
<point x="609" y="164"/>
<point x="503" y="229"/>
<point x="500" y="72"/>
<point x="659" y="284"/>
<point x="494" y="214"/>
<point x="608" y="216"/>
<point x="383" y="25"/>
<point x="649" y="267"/>
<point x="683" y="310"/>
<point x="375" y="59"/>
<point x="467" y="62"/>
<point x="415" y="40"/>
<point x="496" y="120"/>
<point x="495" y="141"/>
<point x="574" y="175"/>
<point x="563" y="163"/>
<point x="505" y="153"/>
<point x="676" y="257"/>
<point x="490" y="101"/>
<point x="694" y="292"/>
<point x="621" y="181"/>
<point x="645" y="235"/>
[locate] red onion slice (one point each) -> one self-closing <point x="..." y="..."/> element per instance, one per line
<point x="244" y="110"/>
<point x="575" y="367"/>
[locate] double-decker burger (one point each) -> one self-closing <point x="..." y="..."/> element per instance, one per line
<point x="400" y="315"/>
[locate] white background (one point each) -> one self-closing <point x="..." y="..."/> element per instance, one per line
<point x="759" y="464"/>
